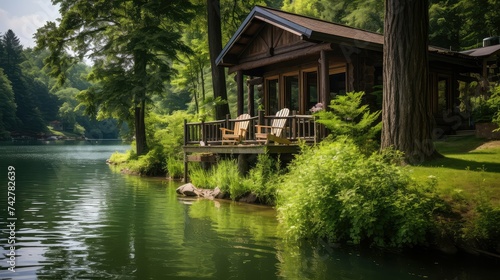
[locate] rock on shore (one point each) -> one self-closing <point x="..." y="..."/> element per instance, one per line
<point x="190" y="190"/>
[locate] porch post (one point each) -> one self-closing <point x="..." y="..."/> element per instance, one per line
<point x="251" y="98"/>
<point x="324" y="78"/>
<point x="239" y="85"/>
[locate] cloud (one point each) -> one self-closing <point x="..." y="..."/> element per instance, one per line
<point x="25" y="26"/>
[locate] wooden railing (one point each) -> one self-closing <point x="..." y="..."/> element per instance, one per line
<point x="297" y="127"/>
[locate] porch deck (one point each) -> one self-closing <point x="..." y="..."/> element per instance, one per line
<point x="203" y="140"/>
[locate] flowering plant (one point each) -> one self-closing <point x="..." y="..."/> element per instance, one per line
<point x="316" y="108"/>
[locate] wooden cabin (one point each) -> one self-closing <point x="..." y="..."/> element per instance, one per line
<point x="285" y="60"/>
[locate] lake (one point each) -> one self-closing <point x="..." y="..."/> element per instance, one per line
<point x="77" y="218"/>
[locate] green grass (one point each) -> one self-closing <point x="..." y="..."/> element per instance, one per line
<point x="469" y="169"/>
<point x="62" y="133"/>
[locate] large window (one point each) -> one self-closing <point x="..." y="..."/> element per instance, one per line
<point x="337" y="84"/>
<point x="292" y="92"/>
<point x="311" y="80"/>
<point x="273" y="96"/>
<point x="443" y="95"/>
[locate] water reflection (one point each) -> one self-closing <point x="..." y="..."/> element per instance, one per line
<point x="77" y="219"/>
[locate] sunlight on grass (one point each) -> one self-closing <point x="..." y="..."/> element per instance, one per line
<point x="470" y="168"/>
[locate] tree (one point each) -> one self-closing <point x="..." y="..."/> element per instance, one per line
<point x="31" y="121"/>
<point x="215" y="48"/>
<point x="8" y="117"/>
<point x="131" y="43"/>
<point x="405" y="116"/>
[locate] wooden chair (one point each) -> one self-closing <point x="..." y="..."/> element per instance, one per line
<point x="239" y="132"/>
<point x="266" y="133"/>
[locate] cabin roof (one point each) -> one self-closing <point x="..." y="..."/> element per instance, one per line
<point x="318" y="31"/>
<point x="483" y="51"/>
<point x="309" y="29"/>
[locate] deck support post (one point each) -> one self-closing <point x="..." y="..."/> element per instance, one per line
<point x="324" y="78"/>
<point x="251" y="98"/>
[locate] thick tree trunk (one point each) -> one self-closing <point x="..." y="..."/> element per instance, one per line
<point x="140" y="130"/>
<point x="407" y="122"/>
<point x="215" y="47"/>
<point x="140" y="73"/>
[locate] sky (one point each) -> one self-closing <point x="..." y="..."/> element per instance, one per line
<point x="24" y="17"/>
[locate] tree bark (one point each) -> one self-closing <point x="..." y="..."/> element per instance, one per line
<point x="407" y="121"/>
<point x="140" y="130"/>
<point x="140" y="72"/>
<point x="215" y="48"/>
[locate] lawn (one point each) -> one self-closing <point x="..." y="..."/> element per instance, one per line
<point x="470" y="169"/>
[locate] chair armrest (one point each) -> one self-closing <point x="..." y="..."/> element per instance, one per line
<point x="260" y="127"/>
<point x="225" y="129"/>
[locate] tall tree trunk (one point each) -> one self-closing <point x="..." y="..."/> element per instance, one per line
<point x="215" y="48"/>
<point x="407" y="122"/>
<point x="140" y="129"/>
<point x="140" y="73"/>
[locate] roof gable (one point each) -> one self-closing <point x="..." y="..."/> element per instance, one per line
<point x="307" y="29"/>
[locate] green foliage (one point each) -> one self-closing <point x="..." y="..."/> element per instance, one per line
<point x="333" y="191"/>
<point x="486" y="108"/>
<point x="200" y="177"/>
<point x="263" y="178"/>
<point x="224" y="175"/>
<point x="175" y="167"/>
<point x="8" y="106"/>
<point x="349" y="118"/>
<point x="487" y="225"/>
<point x="150" y="164"/>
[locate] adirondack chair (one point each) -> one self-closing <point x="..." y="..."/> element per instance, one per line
<point x="239" y="132"/>
<point x="273" y="132"/>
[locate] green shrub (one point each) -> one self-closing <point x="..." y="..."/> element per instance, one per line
<point x="486" y="108"/>
<point x="175" y="167"/>
<point x="150" y="164"/>
<point x="333" y="191"/>
<point x="349" y="118"/>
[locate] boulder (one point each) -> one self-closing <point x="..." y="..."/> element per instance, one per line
<point x="187" y="190"/>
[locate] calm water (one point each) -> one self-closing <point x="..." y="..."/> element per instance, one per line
<point x="79" y="219"/>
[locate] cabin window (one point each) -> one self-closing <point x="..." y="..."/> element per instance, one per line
<point x="337" y="84"/>
<point x="292" y="92"/>
<point x="443" y="96"/>
<point x="311" y="80"/>
<point x="273" y="96"/>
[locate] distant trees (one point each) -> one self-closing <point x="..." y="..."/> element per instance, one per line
<point x="28" y="118"/>
<point x="8" y="118"/>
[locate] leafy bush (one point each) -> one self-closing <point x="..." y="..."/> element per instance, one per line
<point x="486" y="108"/>
<point x="150" y="164"/>
<point x="165" y="140"/>
<point x="349" y="118"/>
<point x="482" y="224"/>
<point x="335" y="192"/>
